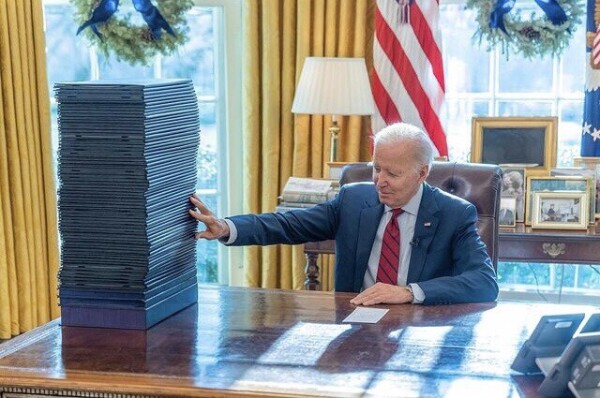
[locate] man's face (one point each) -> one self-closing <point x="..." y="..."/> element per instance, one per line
<point x="395" y="172"/>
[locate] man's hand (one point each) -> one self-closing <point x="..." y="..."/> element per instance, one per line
<point x="382" y="293"/>
<point x="216" y="228"/>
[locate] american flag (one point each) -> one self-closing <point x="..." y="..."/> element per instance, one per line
<point x="408" y="73"/>
<point x="590" y="138"/>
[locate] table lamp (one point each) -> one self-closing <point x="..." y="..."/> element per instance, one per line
<point x="334" y="86"/>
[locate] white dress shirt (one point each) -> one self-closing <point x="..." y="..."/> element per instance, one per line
<point x="406" y="224"/>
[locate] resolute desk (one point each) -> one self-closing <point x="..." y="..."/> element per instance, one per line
<point x="252" y="342"/>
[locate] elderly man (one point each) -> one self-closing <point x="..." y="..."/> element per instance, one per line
<point x="398" y="240"/>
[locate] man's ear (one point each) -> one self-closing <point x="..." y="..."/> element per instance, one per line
<point x="423" y="172"/>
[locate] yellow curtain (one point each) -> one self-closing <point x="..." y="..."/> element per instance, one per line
<point x="28" y="232"/>
<point x="279" y="35"/>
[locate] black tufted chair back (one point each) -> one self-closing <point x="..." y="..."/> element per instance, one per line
<point x="480" y="184"/>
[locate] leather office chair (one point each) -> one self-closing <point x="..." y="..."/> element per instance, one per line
<point x="480" y="184"/>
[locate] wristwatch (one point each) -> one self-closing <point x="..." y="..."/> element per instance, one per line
<point x="409" y="289"/>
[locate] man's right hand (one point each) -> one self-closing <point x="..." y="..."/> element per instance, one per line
<point x="216" y="228"/>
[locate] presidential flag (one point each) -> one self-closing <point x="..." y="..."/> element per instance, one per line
<point x="408" y="74"/>
<point x="590" y="138"/>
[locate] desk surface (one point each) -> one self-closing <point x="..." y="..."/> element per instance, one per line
<point x="267" y="342"/>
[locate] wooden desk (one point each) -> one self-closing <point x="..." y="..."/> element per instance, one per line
<point x="251" y="342"/>
<point x="521" y="244"/>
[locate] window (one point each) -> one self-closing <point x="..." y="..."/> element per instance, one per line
<point x="201" y="59"/>
<point x="481" y="83"/>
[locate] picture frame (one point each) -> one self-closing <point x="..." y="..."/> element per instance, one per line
<point x="513" y="186"/>
<point x="557" y="185"/>
<point x="529" y="141"/>
<point x="334" y="169"/>
<point x="507" y="214"/>
<point x="560" y="210"/>
<point x="592" y="164"/>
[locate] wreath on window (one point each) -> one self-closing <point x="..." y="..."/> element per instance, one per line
<point x="165" y="27"/>
<point x="547" y="33"/>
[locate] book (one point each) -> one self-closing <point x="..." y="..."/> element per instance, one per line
<point x="309" y="190"/>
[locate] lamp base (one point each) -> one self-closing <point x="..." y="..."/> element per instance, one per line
<point x="334" y="131"/>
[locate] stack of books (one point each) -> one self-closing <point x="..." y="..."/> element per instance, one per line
<point x="127" y="166"/>
<point x="306" y="192"/>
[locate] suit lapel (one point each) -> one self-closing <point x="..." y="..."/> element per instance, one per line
<point x="367" y="229"/>
<point x="425" y="228"/>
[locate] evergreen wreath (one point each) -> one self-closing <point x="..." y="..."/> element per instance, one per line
<point x="136" y="44"/>
<point x="533" y="38"/>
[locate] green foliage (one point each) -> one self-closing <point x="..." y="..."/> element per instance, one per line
<point x="534" y="38"/>
<point x="131" y="43"/>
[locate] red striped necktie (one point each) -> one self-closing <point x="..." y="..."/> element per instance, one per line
<point x="387" y="272"/>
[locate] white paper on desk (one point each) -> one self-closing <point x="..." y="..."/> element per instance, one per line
<point x="366" y="315"/>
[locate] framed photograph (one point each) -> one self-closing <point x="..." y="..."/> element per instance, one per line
<point x="592" y="164"/>
<point x="507" y="216"/>
<point x="529" y="141"/>
<point x="560" y="210"/>
<point x="335" y="169"/>
<point x="562" y="184"/>
<point x="513" y="186"/>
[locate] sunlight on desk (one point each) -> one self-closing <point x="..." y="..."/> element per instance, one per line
<point x="258" y="342"/>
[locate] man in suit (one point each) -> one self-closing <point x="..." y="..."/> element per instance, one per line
<point x="440" y="257"/>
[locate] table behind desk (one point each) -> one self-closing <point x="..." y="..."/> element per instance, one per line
<point x="520" y="243"/>
<point x="252" y="342"/>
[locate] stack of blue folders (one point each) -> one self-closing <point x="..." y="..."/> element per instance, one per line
<point x="127" y="166"/>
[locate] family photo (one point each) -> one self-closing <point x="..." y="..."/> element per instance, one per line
<point x="513" y="186"/>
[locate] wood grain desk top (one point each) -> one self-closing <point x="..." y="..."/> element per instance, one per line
<point x="252" y="342"/>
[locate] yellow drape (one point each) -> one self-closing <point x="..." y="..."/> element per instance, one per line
<point x="279" y="35"/>
<point x="28" y="232"/>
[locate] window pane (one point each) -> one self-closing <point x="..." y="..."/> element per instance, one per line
<point x="466" y="66"/>
<point x="458" y="126"/>
<point x="519" y="75"/>
<point x="564" y="275"/>
<point x="569" y="132"/>
<point x="524" y="108"/>
<point x="589" y="277"/>
<point x="207" y="154"/>
<point x="63" y="47"/>
<point x="196" y="59"/>
<point x="536" y="275"/>
<point x="207" y="168"/>
<point x="110" y="68"/>
<point x="573" y="68"/>
<point x="206" y="251"/>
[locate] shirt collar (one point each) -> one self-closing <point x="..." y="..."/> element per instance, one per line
<point x="412" y="207"/>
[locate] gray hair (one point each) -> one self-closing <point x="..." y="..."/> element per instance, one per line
<point x="404" y="131"/>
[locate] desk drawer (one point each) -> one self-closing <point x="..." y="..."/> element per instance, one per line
<point x="550" y="250"/>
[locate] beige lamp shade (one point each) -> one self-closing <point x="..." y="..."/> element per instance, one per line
<point x="334" y="86"/>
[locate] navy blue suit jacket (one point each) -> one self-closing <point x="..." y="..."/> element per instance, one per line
<point x="449" y="261"/>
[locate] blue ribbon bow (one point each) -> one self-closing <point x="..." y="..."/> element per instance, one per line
<point x="551" y="8"/>
<point x="153" y="18"/>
